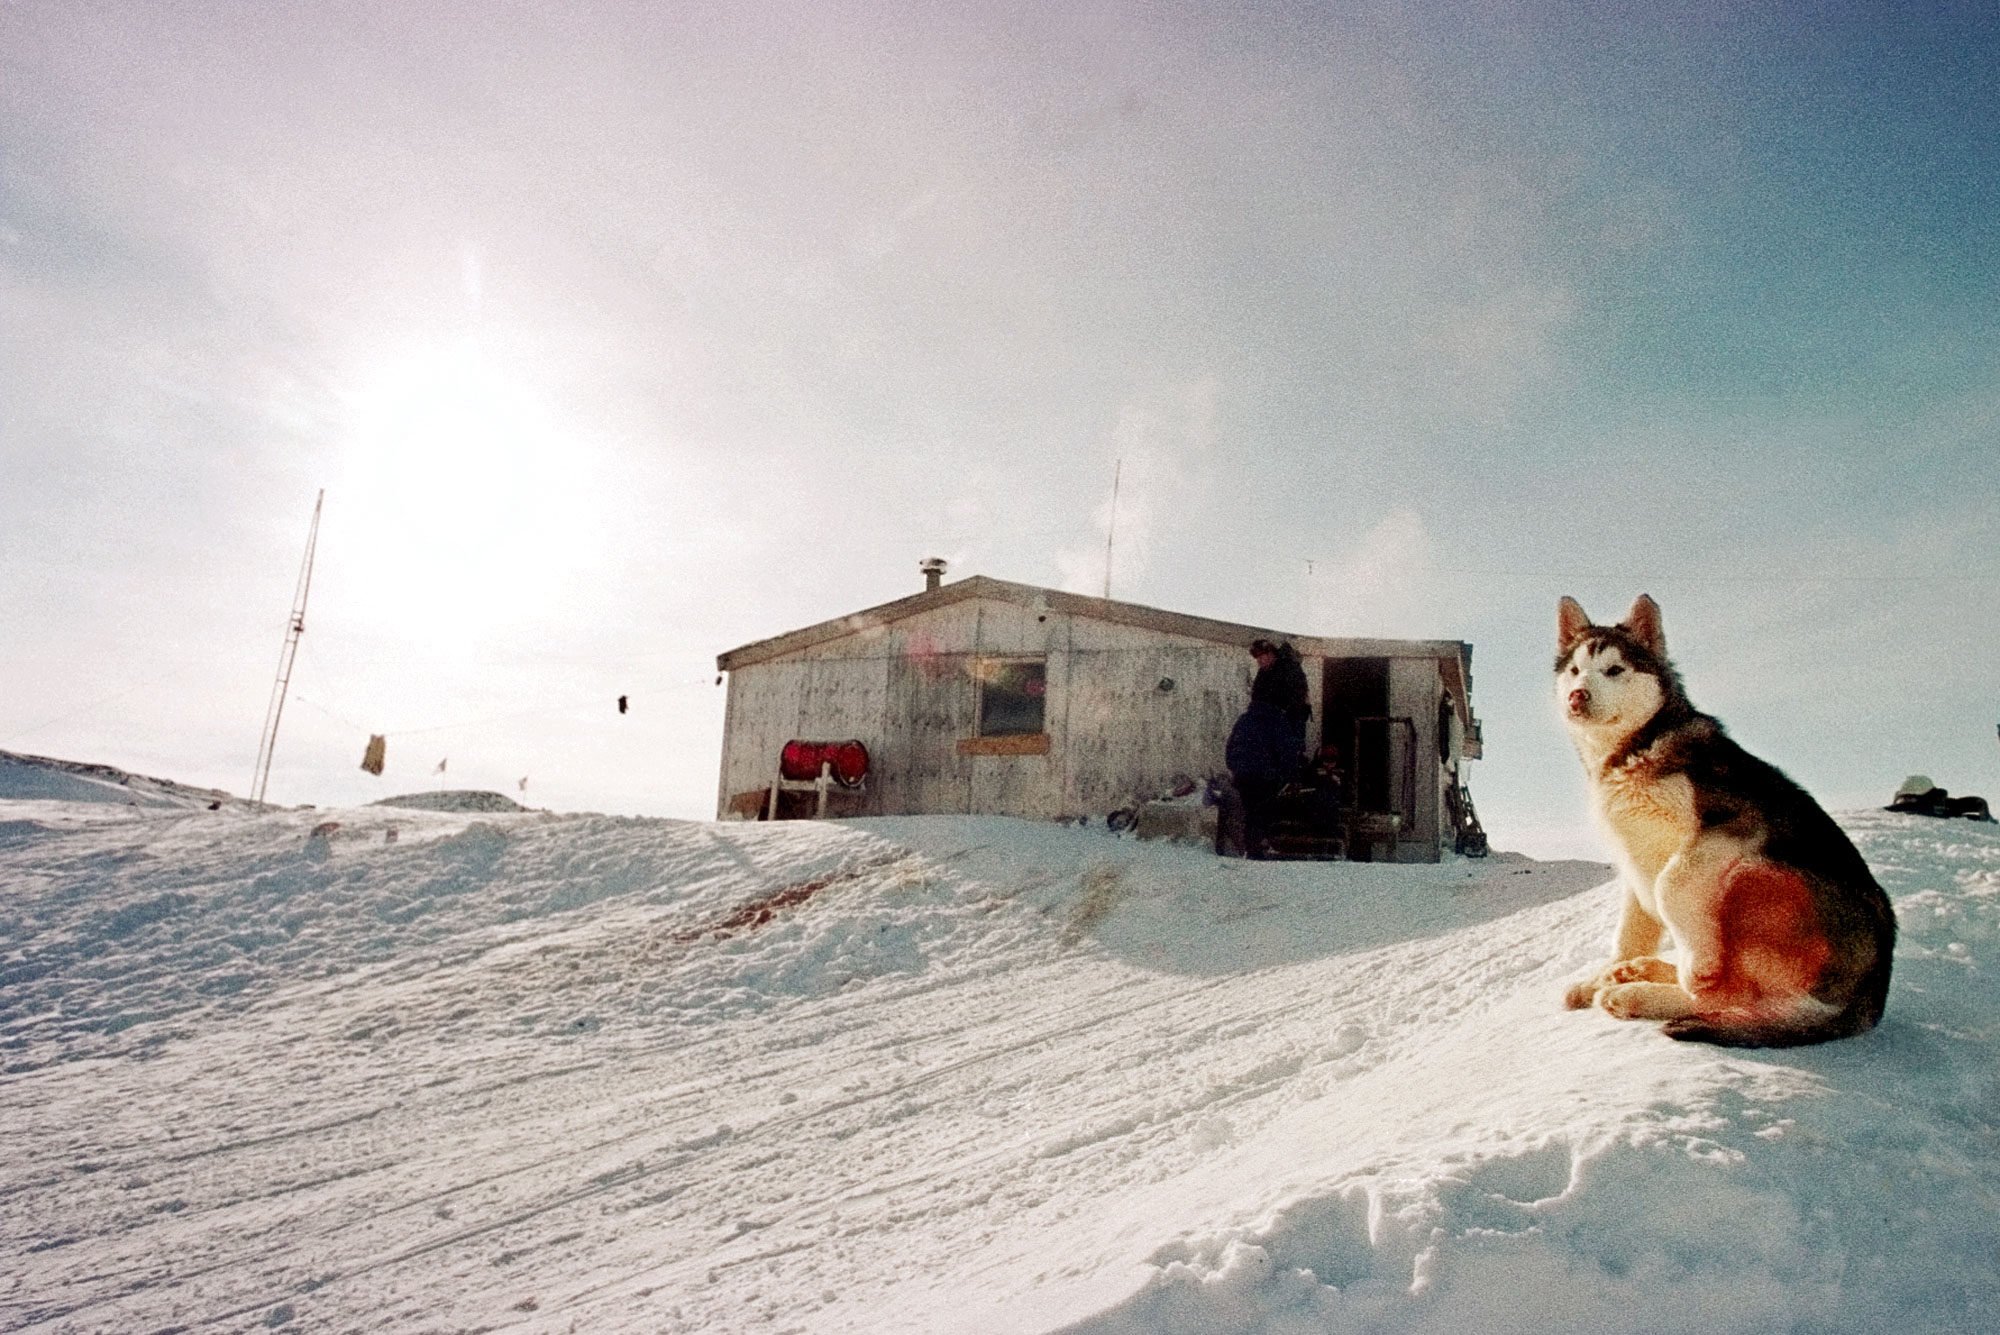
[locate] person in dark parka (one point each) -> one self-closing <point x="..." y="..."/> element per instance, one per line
<point x="1267" y="745"/>
<point x="1281" y="681"/>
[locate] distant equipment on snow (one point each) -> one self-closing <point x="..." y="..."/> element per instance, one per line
<point x="1918" y="796"/>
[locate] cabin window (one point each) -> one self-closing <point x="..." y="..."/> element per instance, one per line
<point x="1011" y="695"/>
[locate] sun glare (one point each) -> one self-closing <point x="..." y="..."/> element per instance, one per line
<point x="463" y="492"/>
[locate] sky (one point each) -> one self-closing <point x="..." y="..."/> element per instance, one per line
<point x="622" y="334"/>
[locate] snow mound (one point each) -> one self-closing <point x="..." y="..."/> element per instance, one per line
<point x="41" y="778"/>
<point x="452" y="799"/>
<point x="313" y="1069"/>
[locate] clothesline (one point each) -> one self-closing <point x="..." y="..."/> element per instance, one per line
<point x="540" y="711"/>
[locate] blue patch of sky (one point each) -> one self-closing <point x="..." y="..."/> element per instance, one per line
<point x="1825" y="177"/>
<point x="50" y="242"/>
<point x="1781" y="229"/>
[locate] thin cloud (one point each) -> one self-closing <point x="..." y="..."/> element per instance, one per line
<point x="1157" y="455"/>
<point x="1385" y="583"/>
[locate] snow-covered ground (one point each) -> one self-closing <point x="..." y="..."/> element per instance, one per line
<point x="456" y="1070"/>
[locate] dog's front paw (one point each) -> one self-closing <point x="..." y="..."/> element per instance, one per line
<point x="1645" y="1001"/>
<point x="1622" y="1001"/>
<point x="1584" y="993"/>
<point x="1644" y="969"/>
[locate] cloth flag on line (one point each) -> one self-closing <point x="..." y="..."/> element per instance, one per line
<point x="371" y="759"/>
<point x="442" y="764"/>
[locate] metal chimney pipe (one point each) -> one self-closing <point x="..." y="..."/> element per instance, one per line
<point x="933" y="568"/>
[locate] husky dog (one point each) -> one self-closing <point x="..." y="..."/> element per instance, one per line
<point x="1783" y="936"/>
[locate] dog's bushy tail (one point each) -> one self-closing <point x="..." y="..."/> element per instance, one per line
<point x="1696" y="1029"/>
<point x="1752" y="1031"/>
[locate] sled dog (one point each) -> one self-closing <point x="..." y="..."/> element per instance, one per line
<point x="1781" y="934"/>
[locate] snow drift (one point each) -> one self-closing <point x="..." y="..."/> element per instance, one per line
<point x="538" y="1072"/>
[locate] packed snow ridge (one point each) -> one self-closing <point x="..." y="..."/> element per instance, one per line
<point x="26" y="778"/>
<point x="452" y="799"/>
<point x="396" y="1069"/>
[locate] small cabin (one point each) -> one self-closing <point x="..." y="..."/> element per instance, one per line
<point x="986" y="697"/>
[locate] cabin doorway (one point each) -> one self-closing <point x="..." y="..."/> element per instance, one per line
<point x="1356" y="689"/>
<point x="1376" y="753"/>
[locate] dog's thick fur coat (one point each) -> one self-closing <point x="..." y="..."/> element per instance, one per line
<point x="1782" y="934"/>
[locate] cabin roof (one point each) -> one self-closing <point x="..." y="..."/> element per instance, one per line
<point x="1454" y="656"/>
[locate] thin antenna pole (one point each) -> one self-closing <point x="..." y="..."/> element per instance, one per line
<point x="296" y="627"/>
<point x="1111" y="534"/>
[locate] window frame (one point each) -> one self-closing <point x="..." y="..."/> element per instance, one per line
<point x="988" y="666"/>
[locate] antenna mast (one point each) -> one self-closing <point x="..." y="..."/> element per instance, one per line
<point x="293" y="630"/>
<point x="1111" y="533"/>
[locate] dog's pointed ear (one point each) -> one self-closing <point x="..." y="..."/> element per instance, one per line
<point x="1571" y="622"/>
<point x="1644" y="623"/>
